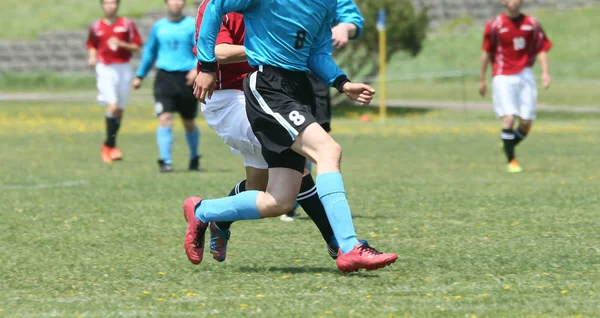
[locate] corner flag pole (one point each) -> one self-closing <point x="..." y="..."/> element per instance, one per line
<point x="382" y="63"/>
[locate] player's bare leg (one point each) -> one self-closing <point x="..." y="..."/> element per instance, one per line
<point x="192" y="135"/>
<point x="110" y="152"/>
<point x="291" y="216"/>
<point x="256" y="179"/>
<point x="525" y="125"/>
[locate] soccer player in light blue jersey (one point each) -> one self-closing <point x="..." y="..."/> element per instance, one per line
<point x="170" y="46"/>
<point x="348" y="25"/>
<point x="285" y="40"/>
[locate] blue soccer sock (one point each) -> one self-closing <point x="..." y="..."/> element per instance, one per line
<point x="164" y="139"/>
<point x="193" y="140"/>
<point x="330" y="187"/>
<point x="238" y="207"/>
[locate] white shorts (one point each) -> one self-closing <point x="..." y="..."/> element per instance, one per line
<point x="113" y="81"/>
<point x="515" y="95"/>
<point x="225" y="113"/>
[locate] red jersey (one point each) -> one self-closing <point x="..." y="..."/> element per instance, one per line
<point x="124" y="29"/>
<point x="514" y="43"/>
<point x="229" y="76"/>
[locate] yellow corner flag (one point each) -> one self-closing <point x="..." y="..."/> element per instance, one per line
<point x="382" y="63"/>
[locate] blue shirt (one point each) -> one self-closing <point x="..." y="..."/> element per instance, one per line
<point x="290" y="34"/>
<point x="170" y="45"/>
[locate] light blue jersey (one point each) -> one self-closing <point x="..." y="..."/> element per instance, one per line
<point x="347" y="12"/>
<point x="170" y="45"/>
<point x="289" y="34"/>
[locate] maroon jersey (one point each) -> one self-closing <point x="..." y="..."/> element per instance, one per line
<point x="124" y="29"/>
<point x="229" y="76"/>
<point x="514" y="43"/>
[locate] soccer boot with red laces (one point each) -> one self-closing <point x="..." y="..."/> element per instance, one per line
<point x="194" y="236"/>
<point x="363" y="256"/>
<point x="218" y="242"/>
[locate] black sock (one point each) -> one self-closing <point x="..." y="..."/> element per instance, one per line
<point x="310" y="202"/>
<point x="112" y="128"/>
<point x="508" y="137"/>
<point x="240" y="187"/>
<point x="519" y="136"/>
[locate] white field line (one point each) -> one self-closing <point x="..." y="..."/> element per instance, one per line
<point x="74" y="183"/>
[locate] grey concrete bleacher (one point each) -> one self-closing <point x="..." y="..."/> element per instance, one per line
<point x="64" y="51"/>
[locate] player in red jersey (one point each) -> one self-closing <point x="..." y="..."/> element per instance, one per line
<point x="111" y="42"/>
<point x="512" y="41"/>
<point x="225" y="113"/>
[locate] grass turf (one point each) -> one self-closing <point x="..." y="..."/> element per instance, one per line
<point x="81" y="238"/>
<point x="25" y="19"/>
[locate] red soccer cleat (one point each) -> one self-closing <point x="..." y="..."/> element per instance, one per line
<point x="115" y="154"/>
<point x="364" y="256"/>
<point x="105" y="153"/>
<point x="194" y="237"/>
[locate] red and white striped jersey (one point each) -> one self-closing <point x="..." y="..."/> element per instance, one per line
<point x="514" y="43"/>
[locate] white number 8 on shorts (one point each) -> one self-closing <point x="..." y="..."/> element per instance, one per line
<point x="296" y="118"/>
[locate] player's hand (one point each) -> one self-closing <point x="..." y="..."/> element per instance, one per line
<point x="339" y="35"/>
<point x="190" y="77"/>
<point x="137" y="83"/>
<point x="359" y="92"/>
<point x="482" y="88"/>
<point x="547" y="80"/>
<point x="92" y="62"/>
<point x="204" y="86"/>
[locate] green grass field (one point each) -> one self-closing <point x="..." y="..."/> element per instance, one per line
<point x="85" y="239"/>
<point x="25" y="19"/>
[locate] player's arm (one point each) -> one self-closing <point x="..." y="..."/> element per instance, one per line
<point x="135" y="40"/>
<point x="543" y="56"/>
<point x="327" y="71"/>
<point x="91" y="45"/>
<point x="348" y="23"/>
<point x="230" y="53"/>
<point x="131" y="47"/>
<point x="227" y="52"/>
<point x="486" y="57"/>
<point x="485" y="61"/>
<point x="544" y="46"/>
<point x="207" y="36"/>
<point x="210" y="27"/>
<point x="148" y="57"/>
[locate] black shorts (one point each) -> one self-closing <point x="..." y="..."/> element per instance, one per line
<point x="323" y="103"/>
<point x="280" y="104"/>
<point x="172" y="94"/>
